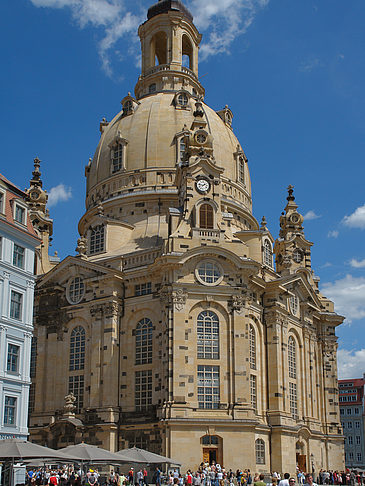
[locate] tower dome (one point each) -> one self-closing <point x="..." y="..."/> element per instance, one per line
<point x="164" y="126"/>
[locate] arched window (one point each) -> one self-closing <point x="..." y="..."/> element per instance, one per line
<point x="206" y="216"/>
<point x="260" y="451"/>
<point x="252" y="348"/>
<point x="267" y="253"/>
<point x="144" y="341"/>
<point x="77" y="349"/>
<point x="208" y="335"/>
<point x="159" y="49"/>
<point x="97" y="239"/>
<point x="292" y="358"/>
<point x="187" y="52"/>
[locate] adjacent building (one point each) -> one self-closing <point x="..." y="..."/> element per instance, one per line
<point x="352" y="418"/>
<point x="182" y="326"/>
<point x="18" y="241"/>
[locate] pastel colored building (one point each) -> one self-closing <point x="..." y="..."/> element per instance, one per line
<point x="18" y="242"/>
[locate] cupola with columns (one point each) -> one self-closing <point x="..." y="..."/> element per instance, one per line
<point x="170" y="46"/>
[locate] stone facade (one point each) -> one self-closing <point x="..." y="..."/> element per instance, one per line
<point x="171" y="326"/>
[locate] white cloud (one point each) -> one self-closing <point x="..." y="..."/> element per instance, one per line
<point x="311" y="215"/>
<point x="310" y="64"/>
<point x="333" y="234"/>
<point x="351" y="364"/>
<point x="222" y="21"/>
<point x="58" y="194"/>
<point x="348" y="295"/>
<point x="109" y="15"/>
<point x="357" y="263"/>
<point x="356" y="219"/>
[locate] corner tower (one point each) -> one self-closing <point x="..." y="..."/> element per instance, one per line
<point x="170" y="49"/>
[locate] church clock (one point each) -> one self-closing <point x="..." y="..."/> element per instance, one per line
<point x="202" y="186"/>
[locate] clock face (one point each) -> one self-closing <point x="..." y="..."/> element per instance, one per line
<point x="203" y="185"/>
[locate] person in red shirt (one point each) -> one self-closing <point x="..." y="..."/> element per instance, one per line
<point x="53" y="480"/>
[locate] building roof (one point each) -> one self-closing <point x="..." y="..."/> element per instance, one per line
<point x="13" y="193"/>
<point x="164" y="6"/>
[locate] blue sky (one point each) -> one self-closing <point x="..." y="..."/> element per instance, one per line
<point x="292" y="71"/>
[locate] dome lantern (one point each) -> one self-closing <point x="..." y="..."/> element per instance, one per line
<point x="170" y="46"/>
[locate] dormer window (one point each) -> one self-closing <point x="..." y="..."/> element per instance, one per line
<point x="182" y="149"/>
<point x="181" y="100"/>
<point x="97" y="239"/>
<point x="118" y="148"/>
<point x="152" y="88"/>
<point x="127" y="107"/>
<point x="117" y="158"/>
<point x="2" y="202"/>
<point x="19" y="213"/>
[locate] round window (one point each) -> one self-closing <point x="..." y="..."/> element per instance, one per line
<point x="182" y="99"/>
<point x="209" y="273"/>
<point x="201" y="138"/>
<point x="76" y="290"/>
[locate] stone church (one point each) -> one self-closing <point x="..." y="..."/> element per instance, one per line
<point x="182" y="326"/>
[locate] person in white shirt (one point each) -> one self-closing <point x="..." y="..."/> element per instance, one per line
<point x="285" y="481"/>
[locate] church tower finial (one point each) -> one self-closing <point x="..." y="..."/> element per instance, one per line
<point x="291" y="248"/>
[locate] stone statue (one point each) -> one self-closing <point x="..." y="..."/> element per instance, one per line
<point x="69" y="406"/>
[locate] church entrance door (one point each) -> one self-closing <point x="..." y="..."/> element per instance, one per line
<point x="302" y="462"/>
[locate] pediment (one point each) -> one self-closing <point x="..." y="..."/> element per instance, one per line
<point x="74" y="266"/>
<point x="299" y="285"/>
<point x="206" y="166"/>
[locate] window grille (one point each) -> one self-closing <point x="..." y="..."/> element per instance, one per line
<point x="293" y="399"/>
<point x="253" y="390"/>
<point x="76" y="290"/>
<point x="267" y="253"/>
<point x="208" y="387"/>
<point x="10" y="411"/>
<point x="208" y="335"/>
<point x="76" y="386"/>
<point x="117" y="160"/>
<point x="143" y="289"/>
<point x="16" y="301"/>
<point x="252" y="348"/>
<point x="12" y="365"/>
<point x="77" y="349"/>
<point x="209" y="272"/>
<point x="19" y="214"/>
<point x="241" y="170"/>
<point x="292" y="358"/>
<point x="260" y="451"/>
<point x="144" y="333"/>
<point x="18" y="256"/>
<point x="33" y="357"/>
<point x="143" y="389"/>
<point x="97" y="239"/>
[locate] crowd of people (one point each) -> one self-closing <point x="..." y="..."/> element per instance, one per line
<point x="206" y="475"/>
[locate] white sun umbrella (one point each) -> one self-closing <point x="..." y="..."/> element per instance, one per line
<point x="94" y="454"/>
<point x="17" y="449"/>
<point x="146" y="457"/>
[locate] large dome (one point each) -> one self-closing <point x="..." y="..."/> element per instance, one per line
<point x="150" y="133"/>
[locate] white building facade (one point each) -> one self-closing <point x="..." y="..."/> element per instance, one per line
<point x="18" y="242"/>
